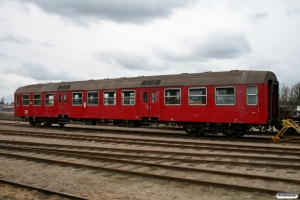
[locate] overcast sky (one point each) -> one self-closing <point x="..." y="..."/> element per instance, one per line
<point x="61" y="40"/>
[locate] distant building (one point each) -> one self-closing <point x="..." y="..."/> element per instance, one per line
<point x="7" y="107"/>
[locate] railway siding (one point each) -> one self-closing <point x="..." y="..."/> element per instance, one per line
<point x="191" y="166"/>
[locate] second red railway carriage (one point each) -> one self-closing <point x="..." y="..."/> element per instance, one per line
<point x="210" y="102"/>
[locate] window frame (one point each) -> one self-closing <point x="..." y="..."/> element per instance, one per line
<point x="49" y="99"/>
<point x="256" y="95"/>
<point x="172" y="96"/>
<point x="203" y="104"/>
<point x="25" y="100"/>
<point x="87" y="93"/>
<point x="115" y="98"/>
<point x="77" y="98"/>
<point x="234" y="95"/>
<point x="130" y="98"/>
<point x="40" y="99"/>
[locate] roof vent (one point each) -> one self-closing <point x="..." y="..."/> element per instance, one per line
<point x="151" y="82"/>
<point x="64" y="87"/>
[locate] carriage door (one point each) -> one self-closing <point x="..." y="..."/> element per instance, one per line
<point x="61" y="102"/>
<point x="149" y="103"/>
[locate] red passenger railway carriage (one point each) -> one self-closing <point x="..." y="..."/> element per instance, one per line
<point x="211" y="102"/>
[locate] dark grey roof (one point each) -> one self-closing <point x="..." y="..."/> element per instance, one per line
<point x="195" y="79"/>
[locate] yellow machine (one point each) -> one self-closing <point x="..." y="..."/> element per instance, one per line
<point x="288" y="123"/>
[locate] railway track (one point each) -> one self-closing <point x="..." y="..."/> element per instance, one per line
<point x="61" y="195"/>
<point x="154" y="170"/>
<point x="167" y="143"/>
<point x="144" y="154"/>
<point x="154" y="133"/>
<point x="175" y="164"/>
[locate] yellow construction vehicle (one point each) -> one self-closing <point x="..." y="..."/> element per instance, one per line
<point x="288" y="123"/>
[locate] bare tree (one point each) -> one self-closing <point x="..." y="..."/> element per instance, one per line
<point x="2" y="101"/>
<point x="295" y="94"/>
<point x="284" y="94"/>
<point x="289" y="95"/>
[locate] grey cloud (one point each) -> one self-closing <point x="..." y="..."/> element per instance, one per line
<point x="128" y="61"/>
<point x="14" y="39"/>
<point x="258" y="16"/>
<point x="39" y="72"/>
<point x="45" y="44"/>
<point x="132" y="11"/>
<point x="3" y="56"/>
<point x="292" y="10"/>
<point x="217" y="46"/>
<point x="263" y="63"/>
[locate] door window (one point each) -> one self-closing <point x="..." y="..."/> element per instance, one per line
<point x="59" y="98"/>
<point x="17" y="99"/>
<point x="153" y="97"/>
<point x="145" y="97"/>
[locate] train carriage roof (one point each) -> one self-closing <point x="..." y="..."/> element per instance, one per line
<point x="232" y="77"/>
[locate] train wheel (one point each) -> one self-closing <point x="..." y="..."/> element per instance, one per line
<point x="193" y="133"/>
<point x="202" y="133"/>
<point x="191" y="130"/>
<point x="122" y="124"/>
<point x="47" y="123"/>
<point x="232" y="134"/>
<point x="32" y="123"/>
<point x="62" y="125"/>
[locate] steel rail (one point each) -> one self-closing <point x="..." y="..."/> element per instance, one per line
<point x="71" y="196"/>
<point x="162" y="143"/>
<point x="164" y="177"/>
<point x="177" y="135"/>
<point x="158" y="140"/>
<point x="242" y="156"/>
<point x="118" y="155"/>
<point x="288" y="180"/>
<point x="250" y="133"/>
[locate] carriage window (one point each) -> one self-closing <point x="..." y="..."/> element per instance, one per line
<point x="59" y="98"/>
<point x="145" y="97"/>
<point x="172" y="97"/>
<point x="49" y="99"/>
<point x="92" y="98"/>
<point x="77" y="98"/>
<point x="37" y="99"/>
<point x="65" y="98"/>
<point x="17" y="99"/>
<point x="153" y="97"/>
<point x="25" y="100"/>
<point x="197" y="96"/>
<point x="110" y="98"/>
<point x="225" y="96"/>
<point x="251" y="95"/>
<point x="128" y="97"/>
